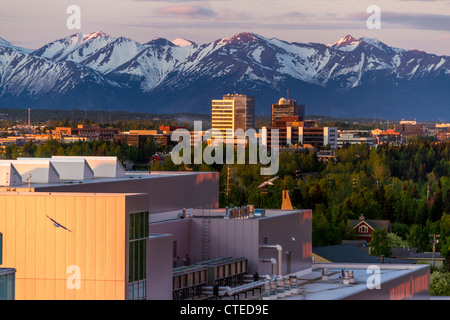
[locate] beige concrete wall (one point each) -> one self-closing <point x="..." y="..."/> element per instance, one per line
<point x="181" y="231"/>
<point x="159" y="267"/>
<point x="42" y="253"/>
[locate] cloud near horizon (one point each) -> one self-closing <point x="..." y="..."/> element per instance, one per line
<point x="422" y="21"/>
<point x="186" y="11"/>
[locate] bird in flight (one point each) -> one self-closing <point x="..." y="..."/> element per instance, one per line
<point x="56" y="224"/>
<point x="268" y="182"/>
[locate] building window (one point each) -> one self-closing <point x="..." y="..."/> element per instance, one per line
<point x="138" y="234"/>
<point x="137" y="290"/>
<point x="174" y="249"/>
<point x="363" y="229"/>
<point x="7" y="286"/>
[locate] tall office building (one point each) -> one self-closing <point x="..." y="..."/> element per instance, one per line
<point x="288" y="119"/>
<point x="286" y="108"/>
<point x="233" y="112"/>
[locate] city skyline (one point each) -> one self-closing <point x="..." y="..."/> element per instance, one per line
<point x="421" y="25"/>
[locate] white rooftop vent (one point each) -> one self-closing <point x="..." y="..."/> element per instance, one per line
<point x="9" y="177"/>
<point x="103" y="167"/>
<point x="69" y="168"/>
<point x="37" y="170"/>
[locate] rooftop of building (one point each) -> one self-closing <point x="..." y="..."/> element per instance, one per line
<point x="72" y="194"/>
<point x="56" y="171"/>
<point x="218" y="214"/>
<point x="350" y="253"/>
<point x="312" y="287"/>
<point x="129" y="175"/>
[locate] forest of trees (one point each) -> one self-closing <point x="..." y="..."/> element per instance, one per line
<point x="408" y="185"/>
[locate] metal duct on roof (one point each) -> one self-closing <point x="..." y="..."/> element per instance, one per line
<point x="68" y="168"/>
<point x="35" y="170"/>
<point x="9" y="176"/>
<point x="103" y="167"/>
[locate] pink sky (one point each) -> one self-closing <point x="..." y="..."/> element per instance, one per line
<point x="408" y="24"/>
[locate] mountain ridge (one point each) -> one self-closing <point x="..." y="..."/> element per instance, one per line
<point x="351" y="75"/>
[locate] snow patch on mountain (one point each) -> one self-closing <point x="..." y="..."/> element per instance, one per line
<point x="6" y="44"/>
<point x="180" y="42"/>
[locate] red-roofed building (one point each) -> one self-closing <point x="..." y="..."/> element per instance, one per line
<point x="364" y="227"/>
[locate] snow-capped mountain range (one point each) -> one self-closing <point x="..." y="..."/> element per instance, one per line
<point x="351" y="77"/>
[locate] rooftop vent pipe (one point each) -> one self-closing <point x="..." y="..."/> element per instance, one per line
<point x="280" y="254"/>
<point x="273" y="262"/>
<point x="325" y="274"/>
<point x="351" y="276"/>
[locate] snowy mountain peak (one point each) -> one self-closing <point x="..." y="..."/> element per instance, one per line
<point x="345" y="41"/>
<point x="159" y="42"/>
<point x="93" y="35"/>
<point x="180" y="42"/>
<point x="243" y="37"/>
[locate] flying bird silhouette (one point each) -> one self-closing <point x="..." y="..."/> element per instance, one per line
<point x="268" y="182"/>
<point x="56" y="224"/>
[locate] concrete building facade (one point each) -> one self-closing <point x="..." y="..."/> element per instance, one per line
<point x="286" y="108"/>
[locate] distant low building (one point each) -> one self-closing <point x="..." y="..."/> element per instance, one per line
<point x="137" y="138"/>
<point x="387" y="132"/>
<point x="302" y="133"/>
<point x="443" y="135"/>
<point x="409" y="130"/>
<point x="88" y="131"/>
<point x="411" y="122"/>
<point x="351" y="138"/>
<point x="415" y="256"/>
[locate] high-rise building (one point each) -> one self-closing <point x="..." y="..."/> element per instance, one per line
<point x="233" y="112"/>
<point x="286" y="108"/>
<point x="288" y="120"/>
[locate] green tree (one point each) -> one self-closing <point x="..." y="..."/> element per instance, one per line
<point x="11" y="152"/>
<point x="419" y="238"/>
<point x="380" y="243"/>
<point x="395" y="241"/>
<point x="423" y="212"/>
<point x="438" y="205"/>
<point x="439" y="284"/>
<point x="28" y="149"/>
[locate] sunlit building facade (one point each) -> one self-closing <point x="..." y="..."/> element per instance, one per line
<point x="233" y="112"/>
